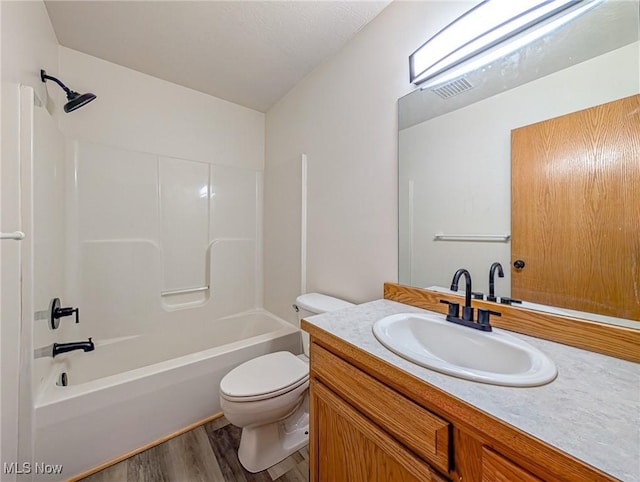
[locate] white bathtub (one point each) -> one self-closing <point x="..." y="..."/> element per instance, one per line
<point x="131" y="391"/>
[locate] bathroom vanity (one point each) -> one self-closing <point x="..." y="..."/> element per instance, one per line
<point x="378" y="417"/>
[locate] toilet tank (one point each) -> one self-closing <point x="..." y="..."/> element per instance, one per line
<point x="311" y="304"/>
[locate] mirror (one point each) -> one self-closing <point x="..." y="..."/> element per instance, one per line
<point x="455" y="148"/>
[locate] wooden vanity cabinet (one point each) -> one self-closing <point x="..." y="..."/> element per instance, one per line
<point x="363" y="430"/>
<point x="371" y="422"/>
<point x="349" y="447"/>
<point x="496" y="468"/>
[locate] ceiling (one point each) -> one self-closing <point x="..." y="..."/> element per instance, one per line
<point x="246" y="52"/>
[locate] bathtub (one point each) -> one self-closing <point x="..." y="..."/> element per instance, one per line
<point x="131" y="391"/>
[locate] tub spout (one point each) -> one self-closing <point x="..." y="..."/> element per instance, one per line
<point x="75" y="345"/>
<point x="57" y="348"/>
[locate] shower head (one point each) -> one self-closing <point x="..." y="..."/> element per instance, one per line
<point x="75" y="100"/>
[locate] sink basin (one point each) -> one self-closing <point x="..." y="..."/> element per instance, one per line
<point x="494" y="357"/>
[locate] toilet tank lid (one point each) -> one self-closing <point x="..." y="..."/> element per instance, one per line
<point x="319" y="303"/>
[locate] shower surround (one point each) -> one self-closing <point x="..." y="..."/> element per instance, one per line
<point x="154" y="236"/>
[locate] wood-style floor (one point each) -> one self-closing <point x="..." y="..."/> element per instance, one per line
<point x="208" y="454"/>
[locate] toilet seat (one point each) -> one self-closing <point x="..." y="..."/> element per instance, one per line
<point x="267" y="376"/>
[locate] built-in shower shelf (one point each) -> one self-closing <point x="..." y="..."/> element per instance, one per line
<point x="184" y="291"/>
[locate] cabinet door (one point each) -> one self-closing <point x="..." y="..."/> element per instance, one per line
<point x="420" y="431"/>
<point x="346" y="446"/>
<point x="496" y="468"/>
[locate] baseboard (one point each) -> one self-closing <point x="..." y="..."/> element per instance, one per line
<point x="122" y="457"/>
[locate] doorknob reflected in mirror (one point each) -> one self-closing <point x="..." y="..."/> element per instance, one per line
<point x="518" y="264"/>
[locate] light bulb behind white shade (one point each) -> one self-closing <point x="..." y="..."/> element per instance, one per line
<point x="478" y="37"/>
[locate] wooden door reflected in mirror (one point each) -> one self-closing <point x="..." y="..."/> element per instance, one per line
<point x="575" y="210"/>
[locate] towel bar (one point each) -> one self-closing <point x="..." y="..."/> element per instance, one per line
<point x="17" y="235"/>
<point x="497" y="238"/>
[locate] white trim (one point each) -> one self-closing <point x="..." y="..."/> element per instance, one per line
<point x="303" y="224"/>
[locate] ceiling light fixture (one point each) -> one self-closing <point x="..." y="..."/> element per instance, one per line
<point x="490" y="30"/>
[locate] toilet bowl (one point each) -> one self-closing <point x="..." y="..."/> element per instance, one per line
<point x="268" y="396"/>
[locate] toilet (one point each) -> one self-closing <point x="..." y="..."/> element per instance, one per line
<point x="268" y="396"/>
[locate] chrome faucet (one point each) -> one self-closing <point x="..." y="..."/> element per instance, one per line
<point x="58" y="348"/>
<point x="492" y="275"/>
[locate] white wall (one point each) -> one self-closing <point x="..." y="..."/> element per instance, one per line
<point x="28" y="44"/>
<point x="142" y="113"/>
<point x="460" y="165"/>
<point x="343" y="116"/>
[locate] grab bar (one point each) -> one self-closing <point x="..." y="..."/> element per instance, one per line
<point x="184" y="291"/>
<point x="496" y="238"/>
<point x="16" y="235"/>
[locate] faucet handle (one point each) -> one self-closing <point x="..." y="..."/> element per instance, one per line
<point x="477" y="295"/>
<point x="505" y="300"/>
<point x="454" y="308"/>
<point x="56" y="312"/>
<point x="484" y="318"/>
<point x="61" y="312"/>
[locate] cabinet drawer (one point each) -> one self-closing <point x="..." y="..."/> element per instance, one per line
<point x="424" y="433"/>
<point x="496" y="468"/>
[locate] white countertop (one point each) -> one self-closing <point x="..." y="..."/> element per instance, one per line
<point x="591" y="410"/>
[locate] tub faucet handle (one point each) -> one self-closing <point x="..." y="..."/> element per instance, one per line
<point x="57" y="312"/>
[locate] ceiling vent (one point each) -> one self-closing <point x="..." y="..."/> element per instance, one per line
<point x="453" y="88"/>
